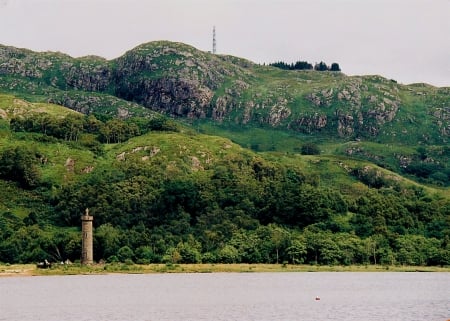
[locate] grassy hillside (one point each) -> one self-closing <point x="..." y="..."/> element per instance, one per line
<point x="404" y="128"/>
<point x="189" y="151"/>
<point x="186" y="157"/>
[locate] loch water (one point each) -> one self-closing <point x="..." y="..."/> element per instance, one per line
<point x="228" y="296"/>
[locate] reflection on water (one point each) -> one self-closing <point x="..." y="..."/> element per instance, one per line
<point x="228" y="296"/>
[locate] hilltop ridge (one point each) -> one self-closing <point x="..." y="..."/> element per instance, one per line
<point x="177" y="79"/>
<point x="249" y="103"/>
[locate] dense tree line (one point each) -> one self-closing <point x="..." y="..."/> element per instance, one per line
<point x="243" y="209"/>
<point x="20" y="164"/>
<point x="304" y="65"/>
<point x="72" y="126"/>
<point x="299" y="65"/>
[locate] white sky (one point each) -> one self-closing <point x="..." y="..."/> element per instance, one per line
<point x="406" y="40"/>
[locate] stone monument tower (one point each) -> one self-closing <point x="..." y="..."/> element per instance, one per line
<point x="87" y="244"/>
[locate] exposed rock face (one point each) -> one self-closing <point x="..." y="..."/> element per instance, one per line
<point x="222" y="107"/>
<point x="3" y="114"/>
<point x="442" y="116"/>
<point x="345" y="124"/>
<point x="88" y="77"/>
<point x="384" y="111"/>
<point x="88" y="103"/>
<point x="226" y="103"/>
<point x="82" y="104"/>
<point x="278" y="113"/>
<point x="310" y="123"/>
<point x="196" y="164"/>
<point x="321" y="98"/>
<point x="70" y="165"/>
<point x="14" y="61"/>
<point x="149" y="153"/>
<point x="57" y="69"/>
<point x="177" y="97"/>
<point x="358" y="112"/>
<point x="176" y="79"/>
<point x="87" y="169"/>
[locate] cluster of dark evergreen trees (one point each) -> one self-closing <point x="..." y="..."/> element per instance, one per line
<point x="304" y="65"/>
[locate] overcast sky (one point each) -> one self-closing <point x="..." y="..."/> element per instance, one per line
<point x="406" y="40"/>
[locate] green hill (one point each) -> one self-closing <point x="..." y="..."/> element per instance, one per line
<point x="185" y="156"/>
<point x="403" y="128"/>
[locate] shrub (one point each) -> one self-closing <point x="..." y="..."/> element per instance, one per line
<point x="125" y="253"/>
<point x="310" y="149"/>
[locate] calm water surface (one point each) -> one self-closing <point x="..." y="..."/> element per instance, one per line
<point x="228" y="296"/>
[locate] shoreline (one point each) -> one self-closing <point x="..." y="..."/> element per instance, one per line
<point x="27" y="270"/>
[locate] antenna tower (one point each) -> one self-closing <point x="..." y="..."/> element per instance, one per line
<point x="214" y="40"/>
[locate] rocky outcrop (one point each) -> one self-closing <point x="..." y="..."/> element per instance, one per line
<point x="88" y="103"/>
<point x="88" y="77"/>
<point x="321" y="98"/>
<point x="196" y="164"/>
<point x="56" y="69"/>
<point x="177" y="79"/>
<point x="346" y="124"/>
<point x="384" y="110"/>
<point x="358" y="111"/>
<point x="21" y="62"/>
<point x="442" y="119"/>
<point x="230" y="100"/>
<point x="70" y="165"/>
<point x="178" y="97"/>
<point x="309" y="123"/>
<point x="221" y="108"/>
<point x="3" y="114"/>
<point x="148" y="151"/>
<point x="279" y="112"/>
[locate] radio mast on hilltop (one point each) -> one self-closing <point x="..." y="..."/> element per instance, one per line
<point x="214" y="40"/>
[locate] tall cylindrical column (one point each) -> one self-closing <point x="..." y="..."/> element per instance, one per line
<point x="87" y="243"/>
